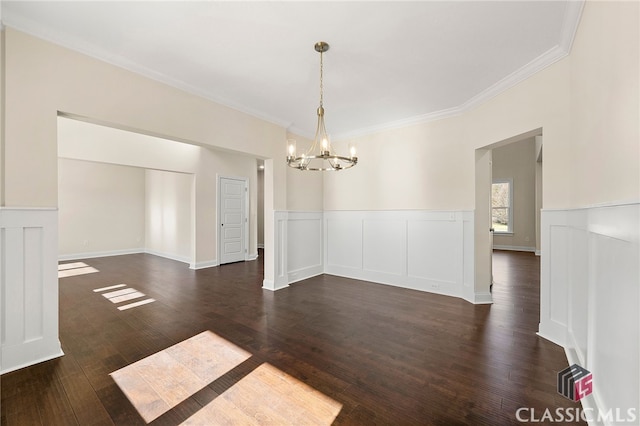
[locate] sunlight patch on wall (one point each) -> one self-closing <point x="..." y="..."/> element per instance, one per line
<point x="73" y="269"/>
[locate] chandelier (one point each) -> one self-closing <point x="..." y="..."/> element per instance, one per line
<point x="320" y="156"/>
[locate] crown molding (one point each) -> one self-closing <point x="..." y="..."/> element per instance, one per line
<point x="538" y="64"/>
<point x="571" y="20"/>
<point x="572" y="15"/>
<point x="28" y="27"/>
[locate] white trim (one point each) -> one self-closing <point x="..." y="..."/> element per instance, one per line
<point x="32" y="362"/>
<point x="514" y="248"/>
<point x="359" y="253"/>
<point x="170" y="256"/>
<point x="261" y="246"/>
<point x="577" y="270"/>
<point x="204" y="264"/>
<point x="29" y="284"/>
<point x="572" y="15"/>
<point x="252" y="256"/>
<point x="483" y="298"/>
<point x="270" y="285"/>
<point x="594" y="206"/>
<point x="95" y="254"/>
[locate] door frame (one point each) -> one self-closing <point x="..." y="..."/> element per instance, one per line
<point x="245" y="206"/>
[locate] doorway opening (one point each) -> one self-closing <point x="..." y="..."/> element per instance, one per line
<point x="508" y="201"/>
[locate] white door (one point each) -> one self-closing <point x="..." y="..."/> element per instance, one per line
<point x="232" y="202"/>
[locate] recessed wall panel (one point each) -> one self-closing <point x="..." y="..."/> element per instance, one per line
<point x="344" y="243"/>
<point x="33" y="283"/>
<point x="304" y="244"/>
<point x="384" y="246"/>
<point x="435" y="250"/>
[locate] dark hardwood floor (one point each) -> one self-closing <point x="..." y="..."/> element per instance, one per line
<point x="388" y="355"/>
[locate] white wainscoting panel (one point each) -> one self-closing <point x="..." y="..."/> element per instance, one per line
<point x="422" y="250"/>
<point x="590" y="298"/>
<point x="304" y="245"/>
<point x="435" y="255"/>
<point x="29" y="280"/>
<point x="343" y="241"/>
<point x="384" y="247"/>
<point x="468" y="257"/>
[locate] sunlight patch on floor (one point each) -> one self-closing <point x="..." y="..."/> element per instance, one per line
<point x="135" y="304"/>
<point x="73" y="269"/>
<point x="161" y="381"/>
<point x="268" y="396"/>
<point x="123" y="295"/>
<point x="98" y="290"/>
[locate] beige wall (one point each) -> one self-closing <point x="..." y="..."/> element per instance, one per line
<point x="169" y="214"/>
<point x="216" y="164"/>
<point x="430" y="166"/>
<point x="260" y="220"/>
<point x="101" y="207"/>
<point x="605" y="97"/>
<point x="517" y="161"/>
<point x="304" y="189"/>
<point x="42" y="79"/>
<point x="87" y="141"/>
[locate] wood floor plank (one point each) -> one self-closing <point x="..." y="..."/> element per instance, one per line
<point x="387" y="355"/>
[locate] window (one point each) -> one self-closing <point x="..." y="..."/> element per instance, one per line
<point x="502" y="206"/>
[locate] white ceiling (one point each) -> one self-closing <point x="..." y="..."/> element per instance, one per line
<point x="390" y="63"/>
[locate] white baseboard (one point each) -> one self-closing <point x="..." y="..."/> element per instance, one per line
<point x="15" y="367"/>
<point x="261" y="246"/>
<point x="270" y="285"/>
<point x="203" y="265"/>
<point x="484" y="298"/>
<point x="94" y="254"/>
<point x="252" y="256"/>
<point x="169" y="256"/>
<point x="305" y="273"/>
<point x="514" y="248"/>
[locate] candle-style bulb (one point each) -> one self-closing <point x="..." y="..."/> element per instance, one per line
<point x="353" y="151"/>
